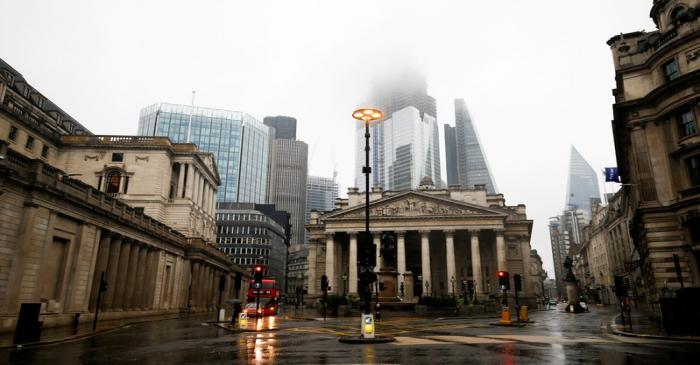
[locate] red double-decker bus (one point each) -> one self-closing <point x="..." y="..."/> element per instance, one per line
<point x="269" y="298"/>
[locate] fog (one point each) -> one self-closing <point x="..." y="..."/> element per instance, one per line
<point x="536" y="75"/>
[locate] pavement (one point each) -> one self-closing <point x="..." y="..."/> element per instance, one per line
<point x="641" y="326"/>
<point x="553" y="337"/>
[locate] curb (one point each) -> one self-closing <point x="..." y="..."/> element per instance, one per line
<point x="353" y="340"/>
<point x="238" y="330"/>
<point x="614" y="329"/>
<point x="64" y="339"/>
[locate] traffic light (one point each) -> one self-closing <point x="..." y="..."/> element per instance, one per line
<point x="324" y="283"/>
<point x="103" y="285"/>
<point x="518" y="281"/>
<point x="258" y="274"/>
<point x="470" y="286"/>
<point x="504" y="280"/>
<point x="367" y="251"/>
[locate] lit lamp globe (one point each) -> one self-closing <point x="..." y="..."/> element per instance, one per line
<point x="367" y="114"/>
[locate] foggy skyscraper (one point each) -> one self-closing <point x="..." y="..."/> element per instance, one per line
<point x="404" y="146"/>
<point x="582" y="185"/>
<point x="466" y="160"/>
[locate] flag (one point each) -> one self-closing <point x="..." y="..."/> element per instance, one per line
<point x="612" y="174"/>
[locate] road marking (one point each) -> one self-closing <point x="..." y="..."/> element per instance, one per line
<point x="469" y="340"/>
<point x="549" y="339"/>
<point x="413" y="341"/>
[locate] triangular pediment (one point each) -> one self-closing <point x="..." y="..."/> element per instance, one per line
<point x="415" y="204"/>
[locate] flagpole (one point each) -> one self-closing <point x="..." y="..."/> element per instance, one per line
<point x="189" y="123"/>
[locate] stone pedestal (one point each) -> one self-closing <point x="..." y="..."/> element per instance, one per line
<point x="571" y="292"/>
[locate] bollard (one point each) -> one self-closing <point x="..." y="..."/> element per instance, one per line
<point x="505" y="315"/>
<point x="242" y="320"/>
<point x="523" y="314"/>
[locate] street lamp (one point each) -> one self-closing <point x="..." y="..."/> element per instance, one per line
<point x="452" y="281"/>
<point x="345" y="284"/>
<point x="367" y="115"/>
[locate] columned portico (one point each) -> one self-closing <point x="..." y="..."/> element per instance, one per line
<point x="352" y="264"/>
<point x="330" y="261"/>
<point x="425" y="261"/>
<point x="420" y="225"/>
<point x="476" y="262"/>
<point x="501" y="251"/>
<point x="450" y="257"/>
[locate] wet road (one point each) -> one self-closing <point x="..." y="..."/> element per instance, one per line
<point x="555" y="337"/>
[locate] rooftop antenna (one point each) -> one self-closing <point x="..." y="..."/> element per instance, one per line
<point x="189" y="123"/>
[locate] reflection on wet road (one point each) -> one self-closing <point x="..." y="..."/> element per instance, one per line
<point x="555" y="337"/>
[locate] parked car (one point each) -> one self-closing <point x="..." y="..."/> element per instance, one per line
<point x="552" y="302"/>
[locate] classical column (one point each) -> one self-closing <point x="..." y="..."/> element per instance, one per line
<point x="190" y="180"/>
<point x="352" y="264"/>
<point x="450" y="256"/>
<point x="378" y="243"/>
<point x="194" y="285"/>
<point x="527" y="282"/>
<point x="140" y="275"/>
<point x="131" y="276"/>
<point x="425" y="260"/>
<point x="311" y="261"/>
<point x="476" y="261"/>
<point x="401" y="254"/>
<point x="194" y="189"/>
<point x="112" y="271"/>
<point x="151" y="275"/>
<point x="121" y="275"/>
<point x="501" y="251"/>
<point x="180" y="191"/>
<point x="200" y="190"/>
<point x="100" y="266"/>
<point x="330" y="258"/>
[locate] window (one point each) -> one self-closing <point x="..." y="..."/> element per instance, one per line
<point x="112" y="182"/>
<point x="45" y="151"/>
<point x="694" y="170"/>
<point x="139" y="210"/>
<point x="13" y="133"/>
<point x="117" y="157"/>
<point x="671" y="70"/>
<point x="686" y="122"/>
<point x="30" y="143"/>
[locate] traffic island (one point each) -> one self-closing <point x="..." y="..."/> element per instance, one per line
<point x="363" y="340"/>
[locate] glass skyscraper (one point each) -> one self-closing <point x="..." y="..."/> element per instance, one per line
<point x="582" y="185"/>
<point x="466" y="160"/>
<point x="321" y="193"/>
<point x="239" y="142"/>
<point x="404" y="146"/>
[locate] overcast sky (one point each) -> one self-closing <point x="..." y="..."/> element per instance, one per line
<point x="536" y="75"/>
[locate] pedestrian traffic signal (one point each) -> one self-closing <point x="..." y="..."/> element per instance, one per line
<point x="504" y="280"/>
<point x="518" y="282"/>
<point x="258" y="274"/>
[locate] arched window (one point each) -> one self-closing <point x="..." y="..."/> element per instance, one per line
<point x="112" y="182"/>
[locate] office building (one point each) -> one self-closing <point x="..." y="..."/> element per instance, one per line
<point x="582" y="185"/>
<point x="451" y="155"/>
<point x="254" y="234"/>
<point x="404" y="146"/>
<point x="285" y="127"/>
<point x="656" y="134"/>
<point x="287" y="178"/>
<point x="321" y="193"/>
<point x="239" y="142"/>
<point x="467" y="162"/>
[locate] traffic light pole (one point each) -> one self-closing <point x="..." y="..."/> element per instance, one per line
<point x="367" y="170"/>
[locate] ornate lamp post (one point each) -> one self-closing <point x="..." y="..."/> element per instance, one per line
<point x="367" y="115"/>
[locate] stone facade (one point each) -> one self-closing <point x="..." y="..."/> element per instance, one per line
<point x="441" y="236"/>
<point x="71" y="212"/>
<point x="655" y="128"/>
